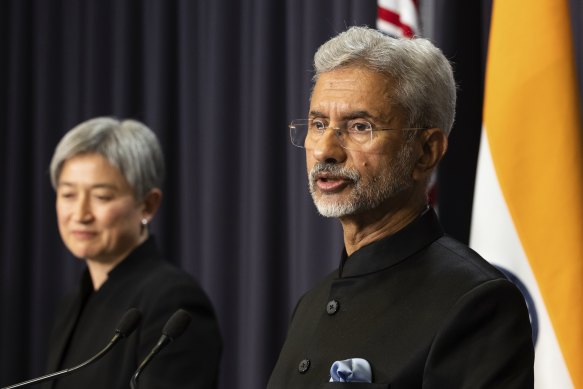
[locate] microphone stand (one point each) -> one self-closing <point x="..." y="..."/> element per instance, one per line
<point x="65" y="372"/>
<point x="173" y="328"/>
<point x="164" y="340"/>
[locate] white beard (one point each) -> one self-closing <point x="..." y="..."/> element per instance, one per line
<point x="363" y="197"/>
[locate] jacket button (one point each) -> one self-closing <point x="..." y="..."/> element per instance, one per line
<point x="304" y="366"/>
<point x="332" y="307"/>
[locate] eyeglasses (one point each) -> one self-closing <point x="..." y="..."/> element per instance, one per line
<point x="358" y="135"/>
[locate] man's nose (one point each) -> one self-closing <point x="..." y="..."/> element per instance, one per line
<point x="328" y="147"/>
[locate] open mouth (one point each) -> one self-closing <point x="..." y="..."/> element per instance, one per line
<point x="331" y="184"/>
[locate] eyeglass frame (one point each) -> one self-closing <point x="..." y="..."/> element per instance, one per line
<point x="338" y="131"/>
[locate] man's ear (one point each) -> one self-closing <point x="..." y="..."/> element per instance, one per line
<point x="433" y="147"/>
<point x="151" y="203"/>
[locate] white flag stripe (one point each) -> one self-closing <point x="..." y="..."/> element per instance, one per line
<point x="406" y="9"/>
<point x="389" y="28"/>
<point x="494" y="237"/>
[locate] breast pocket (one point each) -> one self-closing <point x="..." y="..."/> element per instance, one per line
<point x="355" y="385"/>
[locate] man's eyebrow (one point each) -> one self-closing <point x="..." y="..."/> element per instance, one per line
<point x="359" y="114"/>
<point x="347" y="116"/>
<point x="316" y="113"/>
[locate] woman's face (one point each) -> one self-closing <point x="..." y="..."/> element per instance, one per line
<point x="98" y="215"/>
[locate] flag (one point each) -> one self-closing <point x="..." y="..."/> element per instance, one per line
<point x="398" y="17"/>
<point x="528" y="206"/>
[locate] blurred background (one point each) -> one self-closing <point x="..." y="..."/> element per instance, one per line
<point x="218" y="81"/>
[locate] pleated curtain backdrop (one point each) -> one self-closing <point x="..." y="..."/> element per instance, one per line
<point x="218" y="81"/>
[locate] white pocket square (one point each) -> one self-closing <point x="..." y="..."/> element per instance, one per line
<point x="351" y="370"/>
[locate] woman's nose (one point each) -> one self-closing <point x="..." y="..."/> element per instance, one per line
<point x="82" y="210"/>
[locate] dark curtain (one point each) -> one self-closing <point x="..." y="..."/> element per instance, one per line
<point x="218" y="81"/>
<point x="462" y="33"/>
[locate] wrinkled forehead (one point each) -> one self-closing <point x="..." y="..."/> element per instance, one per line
<point x="343" y="91"/>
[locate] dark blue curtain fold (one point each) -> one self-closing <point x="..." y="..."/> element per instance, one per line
<point x="461" y="31"/>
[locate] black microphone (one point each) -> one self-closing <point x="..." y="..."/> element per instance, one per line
<point x="125" y="327"/>
<point x="173" y="328"/>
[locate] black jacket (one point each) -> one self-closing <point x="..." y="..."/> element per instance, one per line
<point x="86" y="322"/>
<point x="423" y="309"/>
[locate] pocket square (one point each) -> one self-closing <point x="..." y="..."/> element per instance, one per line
<point x="351" y="370"/>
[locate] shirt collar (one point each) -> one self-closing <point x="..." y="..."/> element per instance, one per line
<point x="391" y="250"/>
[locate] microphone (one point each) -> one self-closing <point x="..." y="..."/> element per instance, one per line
<point x="173" y="328"/>
<point x="124" y="328"/>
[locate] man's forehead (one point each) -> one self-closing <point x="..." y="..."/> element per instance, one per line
<point x="355" y="89"/>
<point x="354" y="80"/>
<point x="347" y="82"/>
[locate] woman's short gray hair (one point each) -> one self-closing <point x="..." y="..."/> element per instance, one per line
<point x="129" y="145"/>
<point x="423" y="78"/>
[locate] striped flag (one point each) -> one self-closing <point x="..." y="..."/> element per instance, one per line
<point x="528" y="205"/>
<point x="398" y="17"/>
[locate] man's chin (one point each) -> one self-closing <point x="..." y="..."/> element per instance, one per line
<point x="334" y="209"/>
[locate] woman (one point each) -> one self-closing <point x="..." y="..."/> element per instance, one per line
<point x="107" y="176"/>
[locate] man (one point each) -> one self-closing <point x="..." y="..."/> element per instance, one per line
<point x="408" y="307"/>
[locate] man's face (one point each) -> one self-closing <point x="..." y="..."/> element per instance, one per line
<point x="346" y="182"/>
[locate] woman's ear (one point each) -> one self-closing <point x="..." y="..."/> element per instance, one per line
<point x="151" y="203"/>
<point x="433" y="147"/>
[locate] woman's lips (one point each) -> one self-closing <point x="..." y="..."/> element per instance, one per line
<point x="83" y="234"/>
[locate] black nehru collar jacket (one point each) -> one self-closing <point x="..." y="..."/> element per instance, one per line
<point x="424" y="310"/>
<point x="393" y="249"/>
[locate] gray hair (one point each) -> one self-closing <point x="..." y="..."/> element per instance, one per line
<point x="128" y="145"/>
<point x="424" y="85"/>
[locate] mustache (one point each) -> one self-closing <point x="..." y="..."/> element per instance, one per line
<point x="334" y="170"/>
